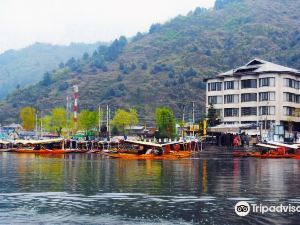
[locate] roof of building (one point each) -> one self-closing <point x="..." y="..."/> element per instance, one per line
<point x="13" y="125"/>
<point x="257" y="65"/>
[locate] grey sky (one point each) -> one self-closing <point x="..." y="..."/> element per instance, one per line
<point x="63" y="21"/>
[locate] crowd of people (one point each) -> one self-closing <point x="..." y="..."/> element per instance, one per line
<point x="233" y="140"/>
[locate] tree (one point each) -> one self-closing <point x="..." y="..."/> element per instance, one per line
<point x="88" y="120"/>
<point x="47" y="80"/>
<point x="154" y="28"/>
<point x="165" y="122"/>
<point x="85" y="56"/>
<point x="124" y="119"/>
<point x="27" y="115"/>
<point x="46" y="121"/>
<point x="58" y="120"/>
<point x="212" y="116"/>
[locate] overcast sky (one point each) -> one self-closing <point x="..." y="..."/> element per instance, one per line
<point x="24" y="22"/>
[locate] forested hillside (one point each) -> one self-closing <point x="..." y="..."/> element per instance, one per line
<point x="166" y="66"/>
<point x="26" y="66"/>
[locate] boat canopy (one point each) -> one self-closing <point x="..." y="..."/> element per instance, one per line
<point x="283" y="145"/>
<point x="266" y="146"/>
<point x="144" y="143"/>
<point x="35" y="142"/>
<point x="4" y="142"/>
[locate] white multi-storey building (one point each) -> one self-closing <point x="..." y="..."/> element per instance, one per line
<point x="259" y="92"/>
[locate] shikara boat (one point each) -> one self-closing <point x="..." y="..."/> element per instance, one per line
<point x="150" y="150"/>
<point x="49" y="146"/>
<point x="174" y="155"/>
<point x="5" y="146"/>
<point x="271" y="150"/>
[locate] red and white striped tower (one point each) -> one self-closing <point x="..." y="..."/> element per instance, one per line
<point x="75" y="89"/>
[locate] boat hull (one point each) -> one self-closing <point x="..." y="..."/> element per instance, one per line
<point x="259" y="155"/>
<point x="176" y="155"/>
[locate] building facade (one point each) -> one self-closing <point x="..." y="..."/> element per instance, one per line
<point x="260" y="92"/>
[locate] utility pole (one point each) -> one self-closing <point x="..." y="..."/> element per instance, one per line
<point x="107" y="121"/>
<point x="99" y="119"/>
<point x="75" y="87"/>
<point x="183" y="123"/>
<point x="36" y="125"/>
<point x="193" y="118"/>
<point x="41" y="124"/>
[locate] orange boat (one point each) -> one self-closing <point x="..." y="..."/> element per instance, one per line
<point x="150" y="150"/>
<point x="49" y="146"/>
<point x="174" y="155"/>
<point x="269" y="151"/>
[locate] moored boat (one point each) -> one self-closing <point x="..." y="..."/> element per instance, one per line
<point x="174" y="155"/>
<point x="150" y="150"/>
<point x="5" y="146"/>
<point x="49" y="146"/>
<point x="273" y="150"/>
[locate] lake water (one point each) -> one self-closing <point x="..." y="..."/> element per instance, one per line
<point x="92" y="189"/>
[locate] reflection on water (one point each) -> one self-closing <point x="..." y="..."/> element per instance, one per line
<point x="90" y="188"/>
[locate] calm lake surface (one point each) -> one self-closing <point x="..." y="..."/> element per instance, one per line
<point x="92" y="189"/>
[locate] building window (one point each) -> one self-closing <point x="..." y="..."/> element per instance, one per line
<point x="267" y="82"/>
<point x="231" y="99"/>
<point x="231" y="85"/>
<point x="215" y="100"/>
<point x="228" y="112"/>
<point x="249" y="83"/>
<point x="267" y="110"/>
<point x="287" y="82"/>
<point x="267" y="96"/>
<point x="215" y="86"/>
<point x="288" y="111"/>
<point x="249" y="97"/>
<point x="248" y="111"/>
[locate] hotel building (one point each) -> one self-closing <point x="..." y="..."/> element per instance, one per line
<point x="259" y="92"/>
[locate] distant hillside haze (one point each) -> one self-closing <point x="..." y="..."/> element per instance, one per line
<point x="166" y="66"/>
<point x="19" y="68"/>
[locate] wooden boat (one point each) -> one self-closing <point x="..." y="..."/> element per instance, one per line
<point x="49" y="146"/>
<point x="174" y="155"/>
<point x="269" y="151"/>
<point x="148" y="150"/>
<point x="5" y="146"/>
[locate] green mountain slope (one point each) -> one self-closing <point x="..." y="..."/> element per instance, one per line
<point x="26" y="66"/>
<point x="166" y="66"/>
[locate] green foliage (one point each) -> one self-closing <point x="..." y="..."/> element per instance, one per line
<point x="27" y="115"/>
<point x="86" y="56"/>
<point x="88" y="120"/>
<point x="165" y="122"/>
<point x="58" y="120"/>
<point x="190" y="73"/>
<point x="212" y="116"/>
<point x="220" y="4"/>
<point x="144" y="66"/>
<point x="124" y="118"/>
<point x="47" y="80"/>
<point x="115" y="49"/>
<point x="28" y="65"/>
<point x="155" y="28"/>
<point x="63" y="86"/>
